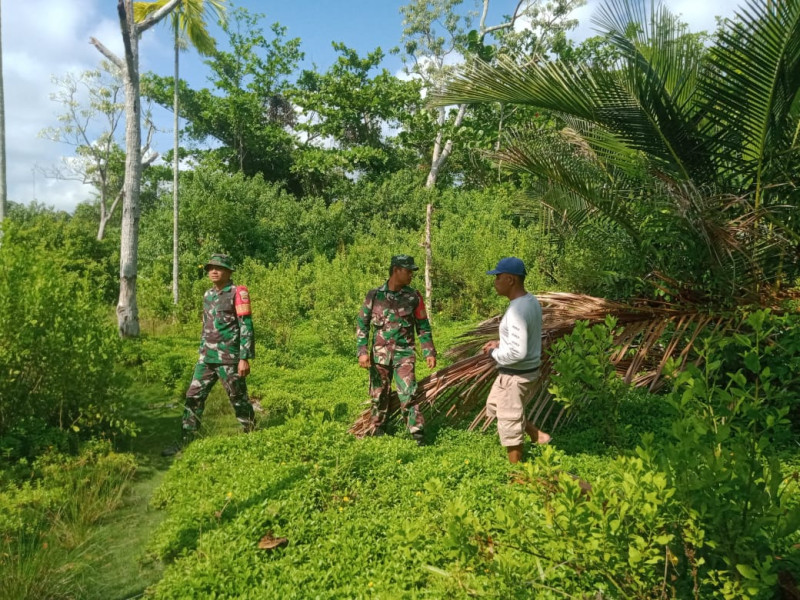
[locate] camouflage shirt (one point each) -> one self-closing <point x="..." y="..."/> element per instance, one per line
<point x="227" y="326"/>
<point x="394" y="316"/>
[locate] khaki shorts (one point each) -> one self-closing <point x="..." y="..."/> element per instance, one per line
<point x="507" y="401"/>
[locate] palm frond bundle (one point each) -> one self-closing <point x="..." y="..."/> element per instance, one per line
<point x="648" y="334"/>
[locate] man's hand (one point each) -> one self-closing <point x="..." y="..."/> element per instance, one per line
<point x="364" y="361"/>
<point x="489" y="346"/>
<point x="431" y="360"/>
<point x="244" y="368"/>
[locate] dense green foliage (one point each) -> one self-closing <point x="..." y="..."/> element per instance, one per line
<point x="309" y="245"/>
<point x="58" y="373"/>
<point x="636" y="171"/>
<point x="684" y="147"/>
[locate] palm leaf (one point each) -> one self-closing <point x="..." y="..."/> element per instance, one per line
<point x="647" y="102"/>
<point x="189" y="20"/>
<point x="749" y="88"/>
<point x="567" y="164"/>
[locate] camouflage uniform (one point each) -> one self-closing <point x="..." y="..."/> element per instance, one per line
<point x="227" y="339"/>
<point x="395" y="316"/>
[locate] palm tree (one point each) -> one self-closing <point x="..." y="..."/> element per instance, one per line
<point x="700" y="142"/>
<point x="705" y="137"/>
<point x="189" y="27"/>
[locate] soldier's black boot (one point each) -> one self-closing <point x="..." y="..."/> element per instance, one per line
<point x="418" y="437"/>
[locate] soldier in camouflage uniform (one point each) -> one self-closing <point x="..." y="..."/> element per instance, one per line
<point x="395" y="311"/>
<point x="226" y="347"/>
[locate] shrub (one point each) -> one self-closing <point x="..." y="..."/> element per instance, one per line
<point x="60" y="348"/>
<point x="584" y="376"/>
<point x="473" y="231"/>
<point x="723" y="461"/>
<point x="275" y="299"/>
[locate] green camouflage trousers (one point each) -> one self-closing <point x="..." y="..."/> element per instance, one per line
<point x="380" y="384"/>
<point x="203" y="378"/>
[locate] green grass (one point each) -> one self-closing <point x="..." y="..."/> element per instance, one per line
<point x="123" y="571"/>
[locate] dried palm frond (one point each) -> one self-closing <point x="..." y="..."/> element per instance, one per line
<point x="647" y="334"/>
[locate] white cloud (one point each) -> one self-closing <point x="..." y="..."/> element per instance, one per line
<point x="41" y="38"/>
<point x="701" y="15"/>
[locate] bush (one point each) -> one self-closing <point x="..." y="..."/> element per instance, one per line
<point x="60" y="349"/>
<point x="723" y="461"/>
<point x="275" y="298"/>
<point x="472" y="232"/>
<point x="584" y="376"/>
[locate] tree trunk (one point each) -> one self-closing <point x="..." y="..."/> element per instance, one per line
<point x="440" y="156"/>
<point x="175" y="177"/>
<point x="101" y="229"/>
<point x="127" y="309"/>
<point x="428" y="256"/>
<point x="106" y="212"/>
<point x="3" y="186"/>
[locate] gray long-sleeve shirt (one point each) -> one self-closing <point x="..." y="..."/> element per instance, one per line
<point x="520" y="348"/>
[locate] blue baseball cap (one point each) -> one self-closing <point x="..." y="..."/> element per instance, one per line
<point x="511" y="265"/>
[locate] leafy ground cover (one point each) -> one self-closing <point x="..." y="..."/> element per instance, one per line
<point x="384" y="518"/>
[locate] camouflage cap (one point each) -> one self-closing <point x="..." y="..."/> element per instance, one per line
<point x="404" y="261"/>
<point x="220" y="260"/>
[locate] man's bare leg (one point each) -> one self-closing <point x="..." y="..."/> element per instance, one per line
<point x="537" y="435"/>
<point x="514" y="453"/>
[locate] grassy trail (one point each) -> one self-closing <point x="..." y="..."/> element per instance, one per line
<point x="122" y="571"/>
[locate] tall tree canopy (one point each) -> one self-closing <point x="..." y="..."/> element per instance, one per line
<point x="247" y="111"/>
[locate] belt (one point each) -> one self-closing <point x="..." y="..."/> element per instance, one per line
<point x="509" y="371"/>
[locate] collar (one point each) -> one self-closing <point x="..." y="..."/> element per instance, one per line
<point x="225" y="289"/>
<point x="385" y="288"/>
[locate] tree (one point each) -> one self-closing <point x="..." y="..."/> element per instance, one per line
<point x="248" y="112"/>
<point x="346" y="113"/>
<point x="189" y="27"/>
<point x="435" y="35"/>
<point x="127" y="309"/>
<point x="92" y="103"/>
<point x="3" y="186"/>
<point x="690" y="150"/>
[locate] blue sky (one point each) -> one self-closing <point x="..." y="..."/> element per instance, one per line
<point x="361" y="24"/>
<point x="42" y="38"/>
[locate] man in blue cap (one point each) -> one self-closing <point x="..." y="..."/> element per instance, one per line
<point x="518" y="356"/>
